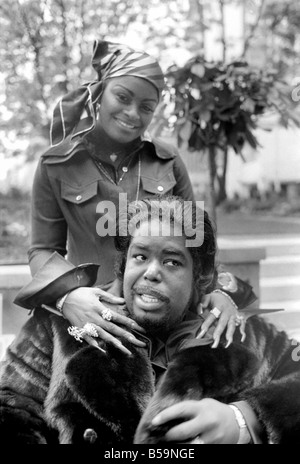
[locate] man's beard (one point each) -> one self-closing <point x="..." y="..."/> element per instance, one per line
<point x="159" y="328"/>
<point x="163" y="326"/>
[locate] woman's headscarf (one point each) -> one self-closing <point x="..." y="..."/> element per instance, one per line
<point x="75" y="113"/>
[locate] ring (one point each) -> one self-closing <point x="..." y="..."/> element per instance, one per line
<point x="216" y="312"/>
<point x="106" y="315"/>
<point x="76" y="333"/>
<point x="90" y="329"/>
<point x="238" y="320"/>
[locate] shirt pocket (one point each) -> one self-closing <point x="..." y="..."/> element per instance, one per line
<point x="78" y="194"/>
<point x="160" y="185"/>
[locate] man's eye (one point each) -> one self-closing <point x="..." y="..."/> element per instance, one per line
<point x="173" y="262"/>
<point x="140" y="257"/>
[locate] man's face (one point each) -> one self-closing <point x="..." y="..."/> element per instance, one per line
<point x="127" y="108"/>
<point x="158" y="279"/>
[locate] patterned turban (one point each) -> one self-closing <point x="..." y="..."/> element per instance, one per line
<point x="75" y="113"/>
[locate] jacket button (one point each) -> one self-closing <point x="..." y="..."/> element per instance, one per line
<point x="79" y="197"/>
<point x="90" y="436"/>
<point x="160" y="188"/>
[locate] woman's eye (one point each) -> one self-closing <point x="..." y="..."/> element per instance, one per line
<point x="123" y="98"/>
<point x="148" y="109"/>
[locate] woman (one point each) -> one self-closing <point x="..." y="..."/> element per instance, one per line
<point x="100" y="158"/>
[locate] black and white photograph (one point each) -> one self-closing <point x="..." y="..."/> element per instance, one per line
<point x="149" y="225"/>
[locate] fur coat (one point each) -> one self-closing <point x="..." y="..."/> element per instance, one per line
<point x="55" y="390"/>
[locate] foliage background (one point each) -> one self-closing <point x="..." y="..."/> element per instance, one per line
<point x="46" y="45"/>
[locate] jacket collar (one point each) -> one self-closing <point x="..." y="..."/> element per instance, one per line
<point x="69" y="147"/>
<point x="182" y="337"/>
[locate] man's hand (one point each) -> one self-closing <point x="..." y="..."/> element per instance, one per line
<point x="211" y="421"/>
<point x="228" y="320"/>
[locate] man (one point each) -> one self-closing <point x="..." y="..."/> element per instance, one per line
<point x="56" y="389"/>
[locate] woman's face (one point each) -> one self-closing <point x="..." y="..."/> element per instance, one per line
<point x="127" y="107"/>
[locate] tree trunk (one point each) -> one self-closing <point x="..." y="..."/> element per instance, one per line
<point x="222" y="194"/>
<point x="200" y="10"/>
<point x="212" y="177"/>
<point x="223" y="31"/>
<point x="253" y="28"/>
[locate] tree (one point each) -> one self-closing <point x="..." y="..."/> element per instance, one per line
<point x="271" y="18"/>
<point x="217" y="106"/>
<point x="46" y="44"/>
<point x="278" y="31"/>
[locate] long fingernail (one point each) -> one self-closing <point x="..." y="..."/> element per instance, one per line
<point x="228" y="343"/>
<point x="123" y="348"/>
<point x="215" y="344"/>
<point x="200" y="309"/>
<point x="98" y="347"/>
<point x="243" y="338"/>
<point x="137" y="328"/>
<point x="127" y="352"/>
<point x="132" y="339"/>
<point x="137" y="342"/>
<point x="201" y="334"/>
<point x="156" y="420"/>
<point x="101" y="349"/>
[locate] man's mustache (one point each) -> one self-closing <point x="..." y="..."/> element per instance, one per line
<point x="146" y="290"/>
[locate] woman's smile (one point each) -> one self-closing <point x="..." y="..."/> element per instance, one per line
<point x="126" y="125"/>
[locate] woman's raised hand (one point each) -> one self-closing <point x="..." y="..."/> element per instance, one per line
<point x="106" y="312"/>
<point x="220" y="311"/>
